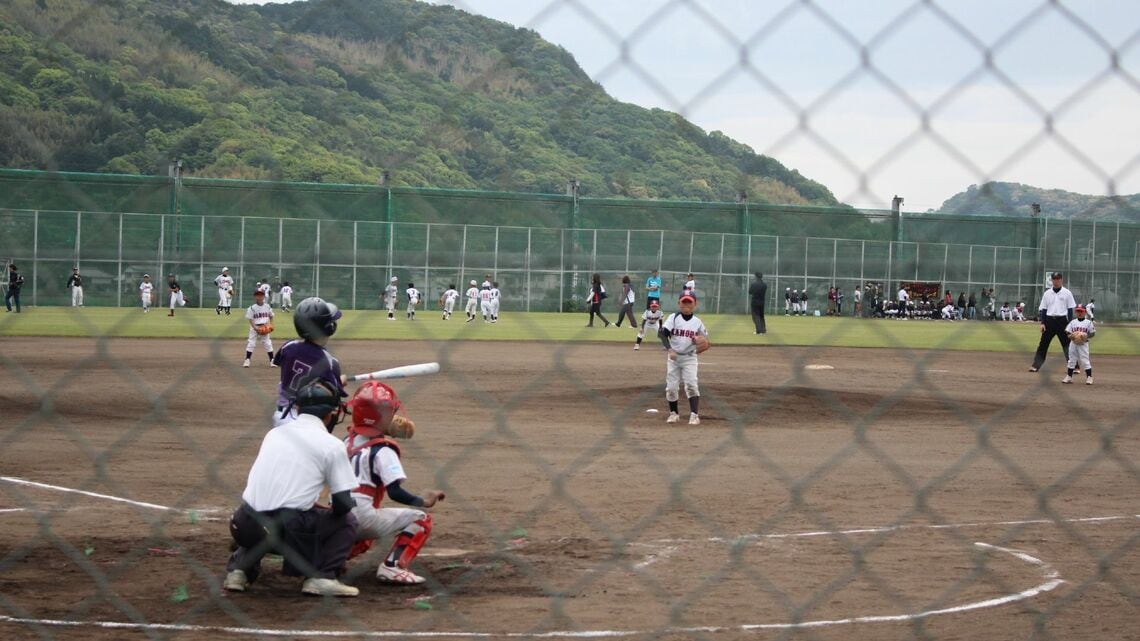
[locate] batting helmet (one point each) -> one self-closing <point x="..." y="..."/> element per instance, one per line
<point x="315" y="318"/>
<point x="372" y="407"/>
<point x="318" y="398"/>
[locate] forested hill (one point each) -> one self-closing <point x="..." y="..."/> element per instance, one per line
<point x="1014" y="199"/>
<point x="339" y="91"/>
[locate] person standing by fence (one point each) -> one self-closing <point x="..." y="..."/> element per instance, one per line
<point x="758" y="294"/>
<point x="1055" y="312"/>
<point x="652" y="289"/>
<point x="15" y="283"/>
<point x="75" y="284"/>
<point x="594" y="299"/>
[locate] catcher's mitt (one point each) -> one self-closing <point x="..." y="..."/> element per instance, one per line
<point x="1079" y="338"/>
<point x="401" y="427"/>
<point x="264" y="329"/>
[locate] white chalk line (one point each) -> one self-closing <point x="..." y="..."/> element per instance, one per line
<point x="107" y="497"/>
<point x="1052" y="582"/>
<point x="1051" y="575"/>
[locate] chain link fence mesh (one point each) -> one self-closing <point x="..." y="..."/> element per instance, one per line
<point x="899" y="492"/>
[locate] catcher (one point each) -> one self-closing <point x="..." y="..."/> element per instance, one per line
<point x="260" y="317"/>
<point x="376" y="459"/>
<point x="1080" y="331"/>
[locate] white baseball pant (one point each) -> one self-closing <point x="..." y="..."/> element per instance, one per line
<point x="681" y="370"/>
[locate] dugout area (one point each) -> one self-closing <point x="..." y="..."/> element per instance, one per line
<point x="899" y="494"/>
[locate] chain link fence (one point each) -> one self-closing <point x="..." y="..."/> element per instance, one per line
<point x="548" y="269"/>
<point x="828" y="492"/>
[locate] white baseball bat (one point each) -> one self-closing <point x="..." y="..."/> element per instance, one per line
<point x="404" y="371"/>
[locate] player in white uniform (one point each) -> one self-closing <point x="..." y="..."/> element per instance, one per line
<point x="685" y="336"/>
<point x="266" y="289"/>
<point x="485" y="302"/>
<point x="495" y="296"/>
<point x="390" y="296"/>
<point x="146" y="293"/>
<point x="225" y="284"/>
<point x="472" y="301"/>
<point x="1090" y="309"/>
<point x="286" y="296"/>
<point x="1079" y="351"/>
<point x="376" y="458"/>
<point x="259" y="314"/>
<point x="413" y="300"/>
<point x="1005" y="313"/>
<point x="650" y="323"/>
<point x="447" y="301"/>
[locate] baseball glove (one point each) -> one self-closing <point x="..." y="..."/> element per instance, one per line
<point x="1079" y="338"/>
<point x="401" y="427"/>
<point x="702" y="343"/>
<point x="264" y="329"/>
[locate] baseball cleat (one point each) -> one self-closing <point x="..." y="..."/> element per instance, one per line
<point x="236" y="581"/>
<point x="694" y="419"/>
<point x="327" y="587"/>
<point x="390" y="574"/>
<point x="1067" y="379"/>
<point x="1033" y="369"/>
<point x="1088" y="381"/>
<point x="673" y="417"/>
<point x="245" y="363"/>
<point x="636" y="347"/>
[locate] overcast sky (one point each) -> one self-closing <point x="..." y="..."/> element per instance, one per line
<point x="879" y="98"/>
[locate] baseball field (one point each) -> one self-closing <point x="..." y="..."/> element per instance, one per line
<point x="850" y="479"/>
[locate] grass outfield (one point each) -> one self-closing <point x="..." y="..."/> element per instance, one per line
<point x="518" y="326"/>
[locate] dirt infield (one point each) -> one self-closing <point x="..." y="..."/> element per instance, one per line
<point x="847" y="497"/>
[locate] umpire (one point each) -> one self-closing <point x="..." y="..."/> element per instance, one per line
<point x="758" y="293"/>
<point x="279" y="512"/>
<point x="1055" y="312"/>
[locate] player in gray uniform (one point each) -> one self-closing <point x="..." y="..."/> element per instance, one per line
<point x="447" y="301"/>
<point x="650" y="323"/>
<point x="390" y="295"/>
<point x="472" y="301"/>
<point x="413" y="300"/>
<point x="1079" y="345"/>
<point x="146" y="293"/>
<point x="496" y="295"/>
<point x="225" y="284"/>
<point x="685" y="336"/>
<point x="260" y="316"/>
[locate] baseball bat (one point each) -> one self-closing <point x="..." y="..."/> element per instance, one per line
<point x="404" y="371"/>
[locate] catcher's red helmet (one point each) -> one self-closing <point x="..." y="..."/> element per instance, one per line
<point x="373" y="406"/>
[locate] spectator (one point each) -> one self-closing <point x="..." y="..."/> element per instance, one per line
<point x="830" y="301"/>
<point x="839" y="301"/>
<point x="652" y="289"/>
<point x="15" y="283"/>
<point x="857" y="295"/>
<point x="961" y="304"/>
<point x="594" y="299"/>
<point x="757" y="293"/>
<point x="627" y="298"/>
<point x="971" y="307"/>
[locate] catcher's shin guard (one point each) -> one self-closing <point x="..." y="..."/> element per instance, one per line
<point x="408" y="542"/>
<point x="361" y="547"/>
